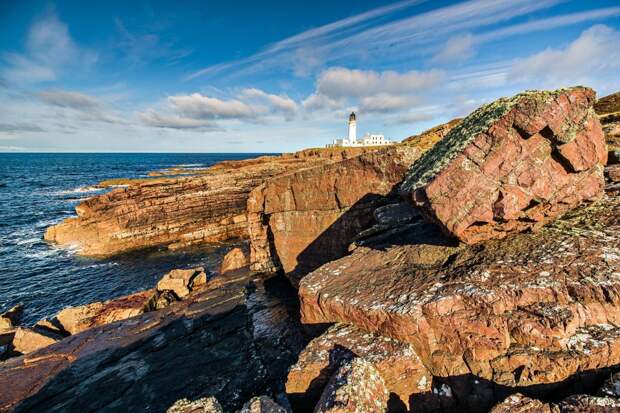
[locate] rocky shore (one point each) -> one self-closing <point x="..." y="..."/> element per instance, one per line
<point x="472" y="268"/>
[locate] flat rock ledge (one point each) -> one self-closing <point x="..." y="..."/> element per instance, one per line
<point x="533" y="309"/>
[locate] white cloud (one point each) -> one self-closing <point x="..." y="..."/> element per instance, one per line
<point x="152" y="118"/>
<point x="341" y="82"/>
<point x="49" y="48"/>
<point x="279" y="103"/>
<point x="386" y="103"/>
<point x="458" y="48"/>
<point x="199" y="106"/>
<point x="317" y="102"/>
<point x="69" y="99"/>
<point x="592" y="56"/>
<point x="18" y="127"/>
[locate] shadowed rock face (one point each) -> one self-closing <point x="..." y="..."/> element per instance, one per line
<point x="512" y="165"/>
<point x="301" y="220"/>
<point x="178" y="212"/>
<point x="530" y="310"/>
<point x="608" y="109"/>
<point x="215" y="343"/>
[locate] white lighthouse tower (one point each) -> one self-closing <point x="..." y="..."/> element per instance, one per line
<point x="352" y="137"/>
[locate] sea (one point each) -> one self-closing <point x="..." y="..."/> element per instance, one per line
<point x="41" y="189"/>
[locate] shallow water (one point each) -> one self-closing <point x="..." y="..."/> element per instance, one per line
<point x="39" y="190"/>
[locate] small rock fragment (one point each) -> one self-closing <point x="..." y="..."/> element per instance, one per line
<point x="233" y="260"/>
<point x="356" y="387"/>
<point x="181" y="282"/>
<point x="518" y="403"/>
<point x="262" y="404"/>
<point x="203" y="405"/>
<point x="11" y="318"/>
<point x="27" y="340"/>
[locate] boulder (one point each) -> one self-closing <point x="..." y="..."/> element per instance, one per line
<point x="518" y="403"/>
<point x="583" y="403"/>
<point x="403" y="372"/>
<point x="233" y="260"/>
<point x="262" y="404"/>
<point x="356" y="387"/>
<point x="301" y="220"/>
<point x="73" y="320"/>
<point x="182" y="282"/>
<point x="203" y="405"/>
<point x="533" y="309"/>
<point x="512" y="165"/>
<point x="11" y="318"/>
<point x="28" y="340"/>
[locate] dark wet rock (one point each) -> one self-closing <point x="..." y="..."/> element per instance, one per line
<point x="207" y="345"/>
<point x="356" y="387"/>
<point x="512" y="165"/>
<point x="611" y="387"/>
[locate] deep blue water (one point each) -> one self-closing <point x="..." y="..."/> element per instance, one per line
<point x="38" y="190"/>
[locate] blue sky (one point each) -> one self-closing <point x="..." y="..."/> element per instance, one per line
<point x="271" y="76"/>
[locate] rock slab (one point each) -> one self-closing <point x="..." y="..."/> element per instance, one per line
<point x="512" y="165"/>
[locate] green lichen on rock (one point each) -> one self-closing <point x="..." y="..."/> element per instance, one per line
<point x="479" y="121"/>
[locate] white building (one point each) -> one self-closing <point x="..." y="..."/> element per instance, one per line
<point x="369" y="139"/>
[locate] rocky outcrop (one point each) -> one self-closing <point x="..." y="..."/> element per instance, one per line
<point x="356" y="387"/>
<point x="233" y="260"/>
<point x="182" y="282"/>
<point x="608" y="109"/>
<point x="396" y="362"/>
<point x="212" y="344"/>
<point x="512" y="165"/>
<point x="178" y="212"/>
<point x="301" y="220"/>
<point x="534" y="309"/>
<point x="430" y="137"/>
<point x="518" y="403"/>
<point x="28" y="340"/>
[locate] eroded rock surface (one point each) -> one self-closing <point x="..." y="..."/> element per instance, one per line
<point x="178" y="212"/>
<point x="203" y="405"/>
<point x="518" y="403"/>
<point x="356" y="387"/>
<point x="262" y="404"/>
<point x="397" y="363"/>
<point x="206" y="345"/>
<point x="512" y="165"/>
<point x="301" y="220"/>
<point x="608" y="109"/>
<point x="533" y="309"/>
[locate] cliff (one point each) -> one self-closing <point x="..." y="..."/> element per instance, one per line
<point x="178" y="212"/>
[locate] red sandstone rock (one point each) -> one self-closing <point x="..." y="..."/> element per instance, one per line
<point x="233" y="260"/>
<point x="28" y="340"/>
<point x="512" y="165"/>
<point x="178" y="212"/>
<point x="76" y="319"/>
<point x="403" y="372"/>
<point x="304" y="219"/>
<point x="532" y="309"/>
<point x="182" y="282"/>
<point x="356" y="387"/>
<point x="11" y="318"/>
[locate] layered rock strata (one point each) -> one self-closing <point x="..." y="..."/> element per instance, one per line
<point x="608" y="109"/>
<point x="301" y="220"/>
<point x="534" y="309"/>
<point x="148" y="360"/>
<point x="178" y="212"/>
<point x="512" y="165"/>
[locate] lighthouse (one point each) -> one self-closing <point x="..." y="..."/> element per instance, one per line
<point x="352" y="129"/>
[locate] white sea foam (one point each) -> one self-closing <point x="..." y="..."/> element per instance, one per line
<point x="79" y="190"/>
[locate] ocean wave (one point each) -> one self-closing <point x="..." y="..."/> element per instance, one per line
<point x="80" y="190"/>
